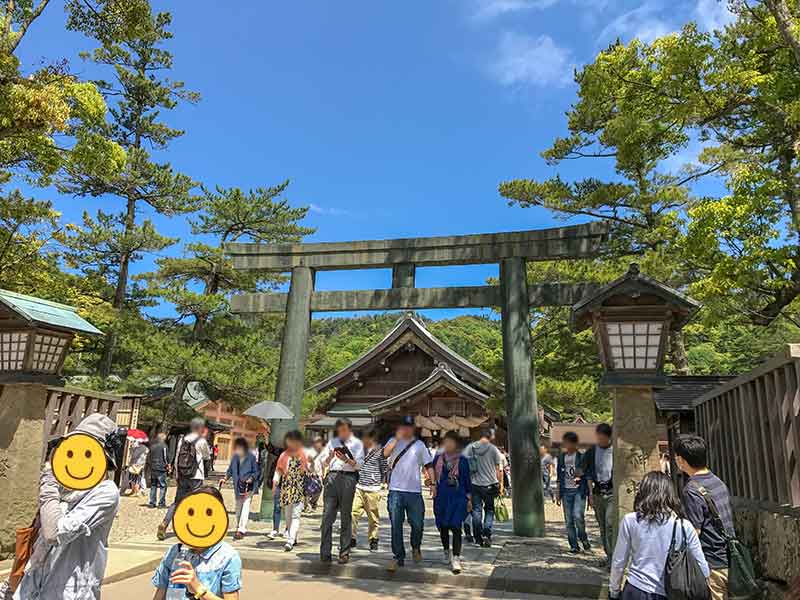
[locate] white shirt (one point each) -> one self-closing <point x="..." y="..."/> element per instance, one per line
<point x="356" y="449"/>
<point x="646" y="545"/>
<point x="314" y="465"/>
<point x="569" y="471"/>
<point x="202" y="451"/>
<point x="405" y="472"/>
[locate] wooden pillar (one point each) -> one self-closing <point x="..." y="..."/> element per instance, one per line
<point x="404" y="275"/>
<point x="522" y="410"/>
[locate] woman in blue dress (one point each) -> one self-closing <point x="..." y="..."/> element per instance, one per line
<point x="453" y="497"/>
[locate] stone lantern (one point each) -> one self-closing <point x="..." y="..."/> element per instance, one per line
<point x="632" y="318"/>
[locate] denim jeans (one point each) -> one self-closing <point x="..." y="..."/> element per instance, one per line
<point x="548" y="489"/>
<point x="402" y="504"/>
<point x="483" y="511"/>
<point x="574" y="504"/>
<point x="158" y="482"/>
<point x="276" y="509"/>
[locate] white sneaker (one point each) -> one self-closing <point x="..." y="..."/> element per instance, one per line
<point x="272" y="534"/>
<point x="455" y="565"/>
<point x="285" y="534"/>
<point x="446" y="556"/>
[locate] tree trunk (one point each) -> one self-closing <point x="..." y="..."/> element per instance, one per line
<point x="785" y="21"/>
<point x="677" y="351"/>
<point x="120" y="293"/>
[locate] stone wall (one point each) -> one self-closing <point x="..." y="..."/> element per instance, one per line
<point x="773" y="535"/>
<point x="22" y="408"/>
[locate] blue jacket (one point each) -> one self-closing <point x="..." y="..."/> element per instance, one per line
<point x="561" y="472"/>
<point x="240" y="470"/>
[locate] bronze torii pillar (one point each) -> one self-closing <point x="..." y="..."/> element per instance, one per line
<point x="514" y="297"/>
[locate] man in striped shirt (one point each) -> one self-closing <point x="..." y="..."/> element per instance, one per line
<point x="368" y="490"/>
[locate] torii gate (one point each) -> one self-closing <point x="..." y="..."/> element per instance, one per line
<point x="514" y="297"/>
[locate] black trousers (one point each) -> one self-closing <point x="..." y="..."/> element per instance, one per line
<point x="340" y="489"/>
<point x="444" y="532"/>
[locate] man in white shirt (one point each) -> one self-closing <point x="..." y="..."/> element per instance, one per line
<point x="189" y="473"/>
<point x="342" y="457"/>
<point x="407" y="456"/>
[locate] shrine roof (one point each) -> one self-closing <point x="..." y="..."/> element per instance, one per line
<point x="442" y="376"/>
<point x="408" y="325"/>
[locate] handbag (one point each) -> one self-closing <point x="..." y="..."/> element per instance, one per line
<point x="312" y="485"/>
<point x="684" y="580"/>
<point x="742" y="582"/>
<point x="500" y="510"/>
<point x="25" y="539"/>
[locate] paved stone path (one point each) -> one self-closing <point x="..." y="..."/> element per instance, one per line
<point x="259" y="585"/>
<point x="520" y="564"/>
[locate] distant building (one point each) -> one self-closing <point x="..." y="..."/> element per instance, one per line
<point x="411" y="372"/>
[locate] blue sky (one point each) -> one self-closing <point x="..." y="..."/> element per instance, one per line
<point x="392" y="119"/>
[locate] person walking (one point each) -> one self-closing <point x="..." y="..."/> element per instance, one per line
<point x="342" y="457"/>
<point x="548" y="467"/>
<point x="572" y="492"/>
<point x="289" y="478"/>
<point x="191" y="461"/>
<point x="645" y="537"/>
<point x="598" y="465"/>
<point x="691" y="456"/>
<point x="316" y="473"/>
<point x="485" y="465"/>
<point x="158" y="465"/>
<point x="138" y="461"/>
<point x="407" y="456"/>
<point x="69" y="555"/>
<point x="453" y="497"/>
<point x="368" y="489"/>
<point x="243" y="472"/>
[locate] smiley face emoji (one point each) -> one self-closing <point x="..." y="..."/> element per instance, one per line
<point x="200" y="520"/>
<point x="79" y="462"/>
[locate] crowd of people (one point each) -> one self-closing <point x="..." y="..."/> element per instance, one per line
<point x="349" y="474"/>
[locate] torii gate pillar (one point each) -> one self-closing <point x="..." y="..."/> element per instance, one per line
<point x="521" y="406"/>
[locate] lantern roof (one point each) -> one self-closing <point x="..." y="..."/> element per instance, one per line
<point x="44" y="312"/>
<point x="635" y="290"/>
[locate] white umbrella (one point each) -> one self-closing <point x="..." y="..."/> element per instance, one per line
<point x="268" y="410"/>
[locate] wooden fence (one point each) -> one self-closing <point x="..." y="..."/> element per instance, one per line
<point x="752" y="426"/>
<point x="67" y="406"/>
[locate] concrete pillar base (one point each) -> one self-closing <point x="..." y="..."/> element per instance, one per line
<point x="22" y="413"/>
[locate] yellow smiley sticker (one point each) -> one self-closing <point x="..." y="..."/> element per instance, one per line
<point x="200" y="520"/>
<point x="79" y="462"/>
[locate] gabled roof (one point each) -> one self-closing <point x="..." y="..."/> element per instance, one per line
<point x="441" y="376"/>
<point x="410" y="326"/>
<point x="684" y="390"/>
<point x="44" y="312"/>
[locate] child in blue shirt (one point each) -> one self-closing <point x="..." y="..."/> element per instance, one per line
<point x="215" y="573"/>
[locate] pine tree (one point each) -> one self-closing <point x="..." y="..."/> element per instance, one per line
<point x="198" y="285"/>
<point x="110" y="242"/>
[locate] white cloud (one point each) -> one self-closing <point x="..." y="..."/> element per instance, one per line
<point x="712" y="14"/>
<point x="522" y="60"/>
<point x="322" y="210"/>
<point x="485" y="10"/>
<point x="643" y="23"/>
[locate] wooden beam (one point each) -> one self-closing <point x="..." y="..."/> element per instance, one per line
<point x="549" y="294"/>
<point x="576" y="241"/>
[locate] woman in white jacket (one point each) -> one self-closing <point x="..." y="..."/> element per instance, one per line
<point x="644" y="541"/>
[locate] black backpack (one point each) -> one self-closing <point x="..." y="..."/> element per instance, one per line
<point x="187" y="464"/>
<point x="683" y="578"/>
<point x="742" y="583"/>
